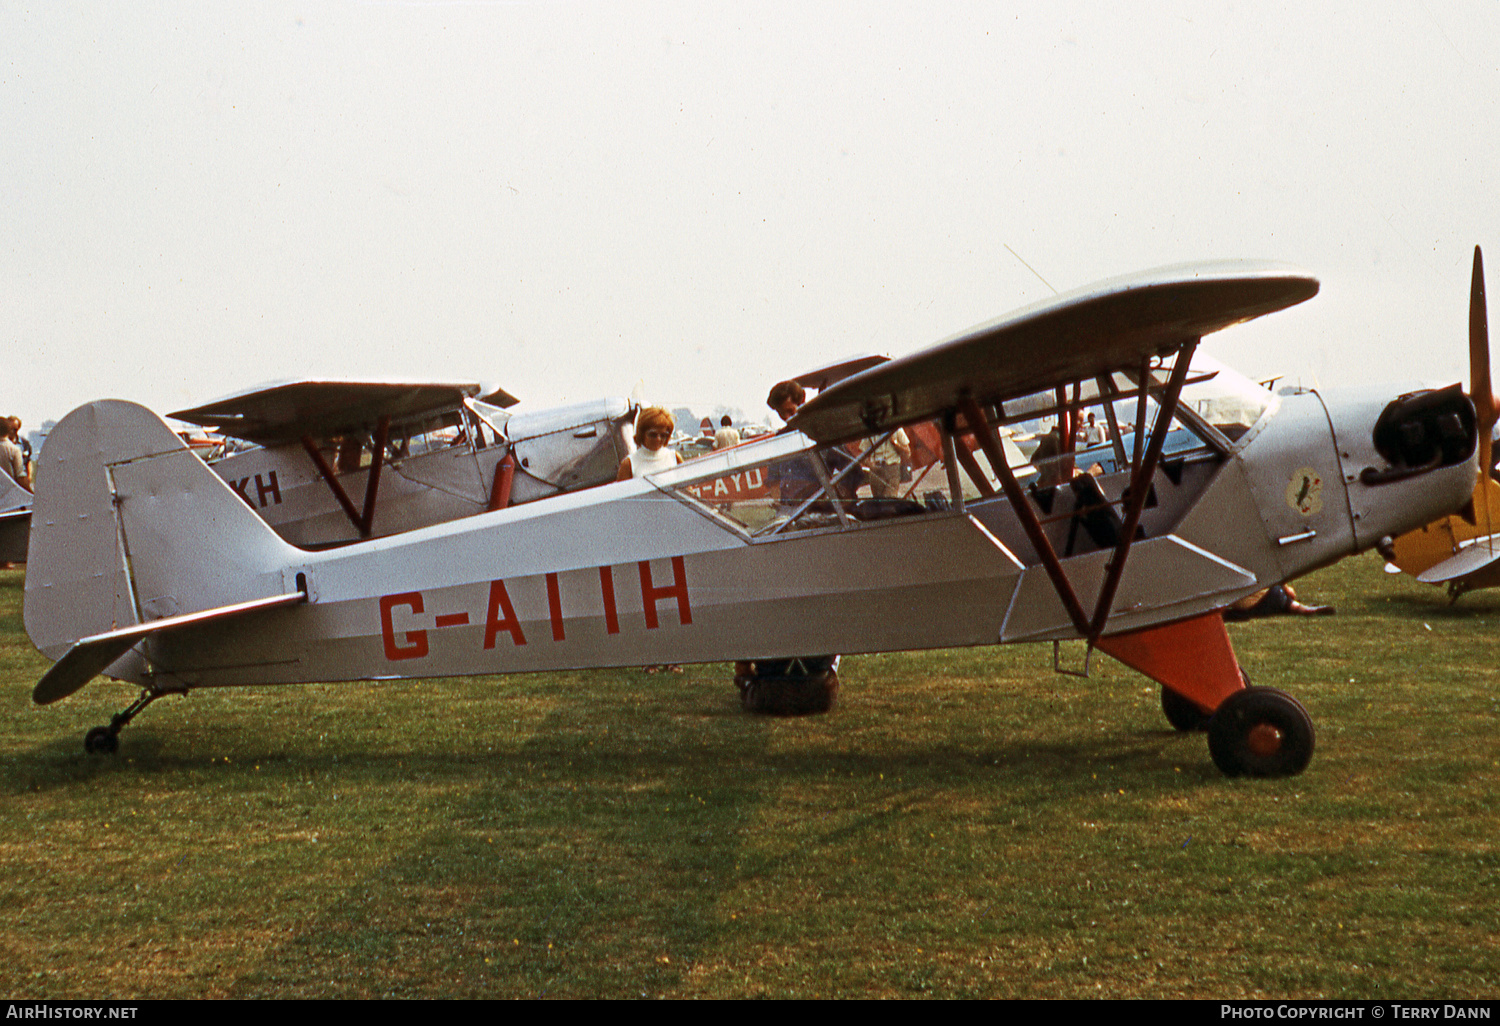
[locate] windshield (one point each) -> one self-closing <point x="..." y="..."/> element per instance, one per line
<point x="1224" y="397"/>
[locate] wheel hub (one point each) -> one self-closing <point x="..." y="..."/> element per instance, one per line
<point x="1264" y="740"/>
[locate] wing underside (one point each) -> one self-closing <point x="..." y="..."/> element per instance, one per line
<point x="286" y="411"/>
<point x="1078" y="336"/>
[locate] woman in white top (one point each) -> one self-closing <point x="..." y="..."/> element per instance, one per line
<point x="653" y="430"/>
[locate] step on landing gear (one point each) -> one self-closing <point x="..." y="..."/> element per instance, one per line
<point x="106" y="740"/>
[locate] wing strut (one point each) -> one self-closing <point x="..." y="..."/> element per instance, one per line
<point x="965" y="457"/>
<point x="975" y="419"/>
<point x="1140" y="484"/>
<point x="363" y="522"/>
<point x="1142" y="472"/>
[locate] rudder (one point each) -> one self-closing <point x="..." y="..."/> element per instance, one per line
<point x="128" y="525"/>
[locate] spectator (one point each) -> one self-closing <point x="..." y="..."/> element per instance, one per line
<point x="726" y="436"/>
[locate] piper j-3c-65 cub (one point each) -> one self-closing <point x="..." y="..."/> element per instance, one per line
<point x="149" y="568"/>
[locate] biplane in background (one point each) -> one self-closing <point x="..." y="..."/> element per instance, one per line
<point x="147" y="567"/>
<point x="412" y="453"/>
<point x="15" y="519"/>
<point x="1462" y="550"/>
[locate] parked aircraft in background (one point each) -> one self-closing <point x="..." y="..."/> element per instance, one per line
<point x="1462" y="551"/>
<point x="414" y="453"/>
<point x="149" y="568"/>
<point x="15" y="519"/>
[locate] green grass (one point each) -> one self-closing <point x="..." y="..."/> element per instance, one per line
<point x="966" y="823"/>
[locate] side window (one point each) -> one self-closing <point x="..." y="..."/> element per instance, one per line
<point x="831" y="486"/>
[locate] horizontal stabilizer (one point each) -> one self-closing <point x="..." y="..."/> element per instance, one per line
<point x="88" y="657"/>
<point x="1482" y="553"/>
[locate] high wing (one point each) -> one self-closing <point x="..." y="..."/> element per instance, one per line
<point x="1073" y="337"/>
<point x="830" y="374"/>
<point x="285" y="411"/>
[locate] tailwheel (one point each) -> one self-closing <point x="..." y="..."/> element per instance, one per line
<point x="101" y="741"/>
<point x="1260" y="732"/>
<point x="106" y="740"/>
<point x="1182" y="713"/>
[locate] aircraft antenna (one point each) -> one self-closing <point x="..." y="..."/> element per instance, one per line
<point x="1028" y="267"/>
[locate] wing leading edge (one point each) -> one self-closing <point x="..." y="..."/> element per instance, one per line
<point x="1079" y="335"/>
<point x="284" y="411"/>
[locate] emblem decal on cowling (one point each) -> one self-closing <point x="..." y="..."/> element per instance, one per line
<point x="1304" y="492"/>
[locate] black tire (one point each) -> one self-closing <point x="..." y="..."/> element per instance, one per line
<point x="789" y="695"/>
<point x="1261" y="732"/>
<point x="1182" y="713"/>
<point x="101" y="741"/>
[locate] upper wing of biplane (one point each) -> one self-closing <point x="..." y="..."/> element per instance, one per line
<point x="284" y="411"/>
<point x="1077" y="336"/>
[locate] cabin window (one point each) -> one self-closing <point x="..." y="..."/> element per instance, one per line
<point x="792" y="488"/>
<point x="1095" y="426"/>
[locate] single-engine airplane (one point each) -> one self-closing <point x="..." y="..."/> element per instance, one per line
<point x="147" y="567"/>
<point x="1462" y="550"/>
<point x="448" y="452"/>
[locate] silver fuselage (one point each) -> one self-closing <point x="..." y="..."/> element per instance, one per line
<point x="642" y="571"/>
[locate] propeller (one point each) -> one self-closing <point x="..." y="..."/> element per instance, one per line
<point x="1479" y="365"/>
<point x="1484" y="412"/>
<point x="1460" y="550"/>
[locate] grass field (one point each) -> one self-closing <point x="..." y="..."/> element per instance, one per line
<point x="965" y="824"/>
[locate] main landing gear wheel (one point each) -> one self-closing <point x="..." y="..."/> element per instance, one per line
<point x="1261" y="732"/>
<point x="788" y="687"/>
<point x="1183" y="714"/>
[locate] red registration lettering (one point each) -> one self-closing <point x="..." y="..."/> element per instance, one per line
<point x="494" y="623"/>
<point x="650" y="596"/>
<point x="607" y="586"/>
<point x="554" y="607"/>
<point x="416" y="641"/>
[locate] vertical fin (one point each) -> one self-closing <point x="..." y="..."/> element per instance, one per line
<point x="129" y="525"/>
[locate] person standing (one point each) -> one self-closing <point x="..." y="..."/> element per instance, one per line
<point x="11" y="456"/>
<point x="653" y="430"/>
<point x="726" y="436"/>
<point x="885" y="465"/>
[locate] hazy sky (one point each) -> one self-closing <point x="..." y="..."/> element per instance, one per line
<point x="568" y="198"/>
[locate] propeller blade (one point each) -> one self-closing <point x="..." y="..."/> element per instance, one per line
<point x="1479" y="353"/>
<point x="1483" y="395"/>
